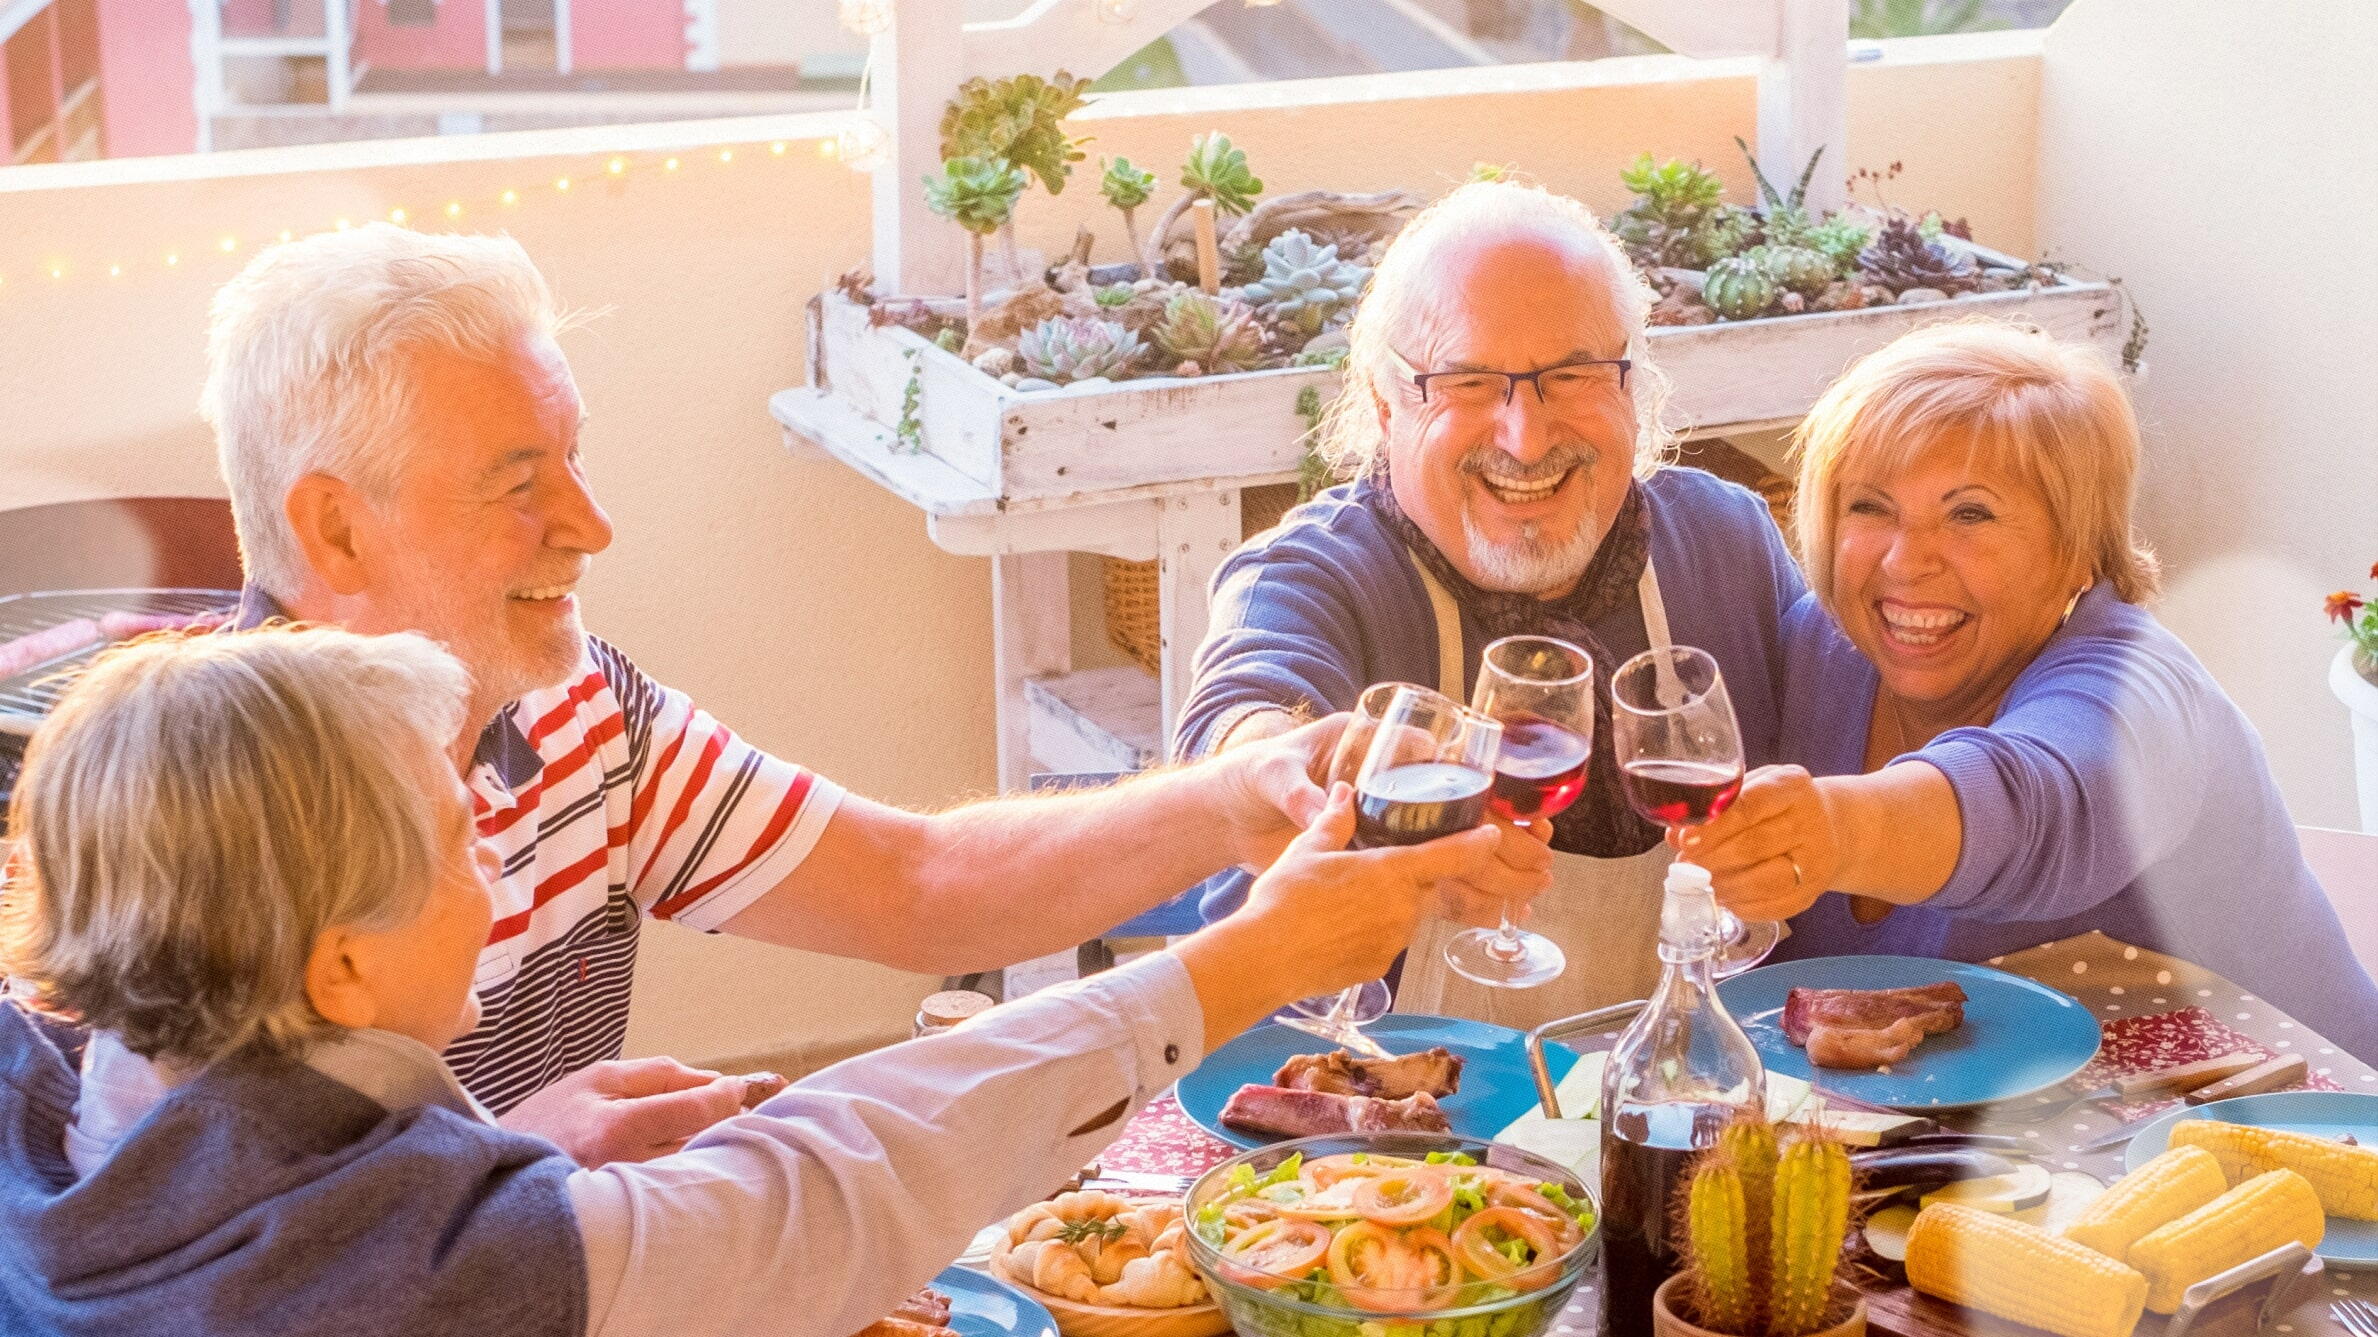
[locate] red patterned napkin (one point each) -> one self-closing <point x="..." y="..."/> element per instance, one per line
<point x="1160" y="1140"/>
<point x="2161" y="1040"/>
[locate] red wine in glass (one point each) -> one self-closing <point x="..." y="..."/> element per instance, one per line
<point x="1418" y="802"/>
<point x="1679" y="793"/>
<point x="1540" y="771"/>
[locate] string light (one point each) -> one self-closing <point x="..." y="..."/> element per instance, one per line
<point x="1116" y="11"/>
<point x="862" y="144"/>
<point x="865" y="18"/>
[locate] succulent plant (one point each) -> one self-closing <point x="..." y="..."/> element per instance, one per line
<point x="1840" y="238"/>
<point x="1783" y="219"/>
<point x="1017" y="121"/>
<point x="1127" y="188"/>
<point x="1219" y="172"/>
<point x="1304" y="285"/>
<point x="1076" y="348"/>
<point x="979" y="195"/>
<point x="1723" y="233"/>
<point x="1901" y="257"/>
<point x="1219" y="334"/>
<point x="1679" y="217"/>
<point x="1739" y="288"/>
<point x="1764" y="1225"/>
<point x="1114" y="295"/>
<point x="1799" y="269"/>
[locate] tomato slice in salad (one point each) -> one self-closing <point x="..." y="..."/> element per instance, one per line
<point x="1434" y="1268"/>
<point x="1328" y="1170"/>
<point x="1273" y="1253"/>
<point x="1371" y="1266"/>
<point x="1334" y="1203"/>
<point x="1403" y="1197"/>
<point x="1477" y="1244"/>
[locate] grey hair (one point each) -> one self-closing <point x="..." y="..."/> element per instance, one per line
<point x="198" y="809"/>
<point x="305" y="372"/>
<point x="1350" y="438"/>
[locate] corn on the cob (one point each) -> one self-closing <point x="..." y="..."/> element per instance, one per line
<point x="2162" y="1191"/>
<point x="2017" y="1271"/>
<point x="2241" y="1225"/>
<point x="2346" y="1178"/>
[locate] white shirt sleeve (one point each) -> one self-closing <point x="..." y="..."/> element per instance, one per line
<point x="816" y="1214"/>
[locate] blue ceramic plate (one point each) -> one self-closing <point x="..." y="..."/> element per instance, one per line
<point x="1495" y="1084"/>
<point x="2329" y="1114"/>
<point x="2019" y="1036"/>
<point x="984" y="1306"/>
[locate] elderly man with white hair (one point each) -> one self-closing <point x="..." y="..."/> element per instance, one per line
<point x="1501" y="416"/>
<point x="400" y="434"/>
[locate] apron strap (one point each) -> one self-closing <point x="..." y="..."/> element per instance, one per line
<point x="1452" y="665"/>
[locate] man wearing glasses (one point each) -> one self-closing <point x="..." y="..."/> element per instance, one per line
<point x="1501" y="424"/>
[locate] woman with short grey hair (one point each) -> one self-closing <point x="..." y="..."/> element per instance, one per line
<point x="252" y="895"/>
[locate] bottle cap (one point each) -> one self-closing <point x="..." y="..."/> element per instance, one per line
<point x="1688" y="914"/>
<point x="951" y="1006"/>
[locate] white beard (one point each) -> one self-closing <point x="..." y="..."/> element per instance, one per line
<point x="1532" y="564"/>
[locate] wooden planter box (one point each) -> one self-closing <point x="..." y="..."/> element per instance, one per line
<point x="1074" y="443"/>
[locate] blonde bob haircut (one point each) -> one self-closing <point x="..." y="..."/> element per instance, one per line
<point x="2051" y="413"/>
<point x="198" y="809"/>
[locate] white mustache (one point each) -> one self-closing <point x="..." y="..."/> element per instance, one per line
<point x="1559" y="461"/>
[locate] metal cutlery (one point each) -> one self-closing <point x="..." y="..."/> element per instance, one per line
<point x="2360" y="1317"/>
<point x="2144" y="1086"/>
<point x="2275" y="1075"/>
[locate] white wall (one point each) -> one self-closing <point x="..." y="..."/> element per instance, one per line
<point x="2201" y="150"/>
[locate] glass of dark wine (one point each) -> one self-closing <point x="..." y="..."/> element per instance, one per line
<point x="1542" y="690"/>
<point x="1341" y="1016"/>
<point x="1426" y="772"/>
<point x="1679" y="754"/>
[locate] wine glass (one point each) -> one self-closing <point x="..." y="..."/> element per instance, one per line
<point x="1680" y="763"/>
<point x="1340" y="1016"/>
<point x="1542" y="690"/>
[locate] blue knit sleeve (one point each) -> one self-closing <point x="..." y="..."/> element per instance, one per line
<point x="1283" y="635"/>
<point x="2095" y="769"/>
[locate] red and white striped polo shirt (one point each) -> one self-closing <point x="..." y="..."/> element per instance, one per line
<point x="609" y="799"/>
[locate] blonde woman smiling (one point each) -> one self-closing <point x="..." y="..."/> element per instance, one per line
<point x="251" y="873"/>
<point x="2001" y="746"/>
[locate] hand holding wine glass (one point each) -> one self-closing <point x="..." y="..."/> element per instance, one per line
<point x="1542" y="691"/>
<point x="1679" y="752"/>
<point x="1340" y="1016"/>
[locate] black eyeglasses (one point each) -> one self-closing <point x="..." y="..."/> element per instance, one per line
<point x="1567" y="385"/>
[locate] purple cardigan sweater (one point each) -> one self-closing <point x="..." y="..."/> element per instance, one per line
<point x="2118" y="789"/>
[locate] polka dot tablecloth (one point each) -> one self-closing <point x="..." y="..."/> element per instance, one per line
<point x="2157" y="1011"/>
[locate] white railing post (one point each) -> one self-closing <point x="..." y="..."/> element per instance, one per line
<point x="337" y="53"/>
<point x="918" y="63"/>
<point x="206" y="68"/>
<point x="1804" y="101"/>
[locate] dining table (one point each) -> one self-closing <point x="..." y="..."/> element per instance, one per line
<point x="2155" y="1012"/>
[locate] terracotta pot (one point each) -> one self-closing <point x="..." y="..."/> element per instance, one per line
<point x="2350" y="677"/>
<point x="1666" y="1322"/>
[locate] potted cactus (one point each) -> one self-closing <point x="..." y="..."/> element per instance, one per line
<point x="1762" y="1227"/>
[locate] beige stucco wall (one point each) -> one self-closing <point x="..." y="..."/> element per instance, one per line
<point x="797" y="602"/>
<point x="2179" y="140"/>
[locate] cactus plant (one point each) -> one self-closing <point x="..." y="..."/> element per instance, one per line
<point x="1764" y="1226"/>
<point x="1127" y="188"/>
<point x="979" y="195"/>
<point x="1077" y="348"/>
<point x="1800" y="269"/>
<point x="1218" y="334"/>
<point x="1303" y="285"/>
<point x="1215" y="171"/>
<point x="1739" y="289"/>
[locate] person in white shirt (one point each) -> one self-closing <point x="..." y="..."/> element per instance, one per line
<point x="399" y="435"/>
<point x="250" y="871"/>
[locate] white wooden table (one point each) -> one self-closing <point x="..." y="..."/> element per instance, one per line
<point x="1050" y="716"/>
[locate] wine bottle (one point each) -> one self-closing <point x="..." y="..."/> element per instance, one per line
<point x="1680" y="1074"/>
